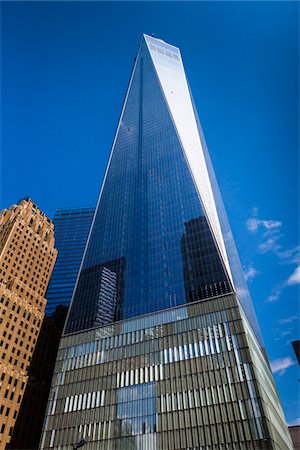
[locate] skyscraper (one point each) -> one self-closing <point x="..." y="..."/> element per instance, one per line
<point x="71" y="228"/>
<point x="27" y="256"/>
<point x="161" y="349"/>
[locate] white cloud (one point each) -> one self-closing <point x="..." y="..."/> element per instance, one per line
<point x="290" y="319"/>
<point x="281" y="365"/>
<point x="270" y="245"/>
<point x="270" y="233"/>
<point x="250" y="273"/>
<point x="285" y="333"/>
<point x="275" y="294"/>
<point x="282" y="332"/>
<point x="253" y="224"/>
<point x="294" y="422"/>
<point x="290" y="256"/>
<point x="291" y="281"/>
<point x="294" y="278"/>
<point x="270" y="242"/>
<point x="271" y="224"/>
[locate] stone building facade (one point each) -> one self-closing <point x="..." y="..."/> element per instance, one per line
<point x="27" y="257"/>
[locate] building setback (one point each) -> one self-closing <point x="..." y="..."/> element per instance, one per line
<point x="161" y="348"/>
<point x="27" y="257"/>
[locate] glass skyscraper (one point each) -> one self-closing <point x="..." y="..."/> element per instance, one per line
<point x="161" y="348"/>
<point x="71" y="229"/>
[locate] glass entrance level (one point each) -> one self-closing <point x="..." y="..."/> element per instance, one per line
<point x="178" y="379"/>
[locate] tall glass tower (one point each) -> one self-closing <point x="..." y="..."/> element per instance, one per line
<point x="71" y="229"/>
<point x="161" y="348"/>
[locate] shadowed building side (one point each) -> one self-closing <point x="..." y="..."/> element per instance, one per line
<point x="28" y="426"/>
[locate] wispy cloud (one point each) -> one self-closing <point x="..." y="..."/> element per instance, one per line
<point x="271" y="235"/>
<point x="270" y="230"/>
<point x="286" y="333"/>
<point x="270" y="245"/>
<point x="275" y="294"/>
<point x="290" y="319"/>
<point x="294" y="278"/>
<point x="253" y="224"/>
<point x="290" y="256"/>
<point x="279" y="334"/>
<point x="294" y="422"/>
<point x="250" y="273"/>
<point x="281" y="365"/>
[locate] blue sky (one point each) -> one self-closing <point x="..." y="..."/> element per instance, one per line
<point x="65" y="70"/>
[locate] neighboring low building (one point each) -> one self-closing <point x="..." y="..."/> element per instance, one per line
<point x="295" y="435"/>
<point x="27" y="257"/>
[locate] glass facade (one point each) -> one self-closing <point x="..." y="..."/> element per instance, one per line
<point x="183" y="378"/>
<point x="161" y="348"/>
<point x="71" y="228"/>
<point x="144" y="217"/>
